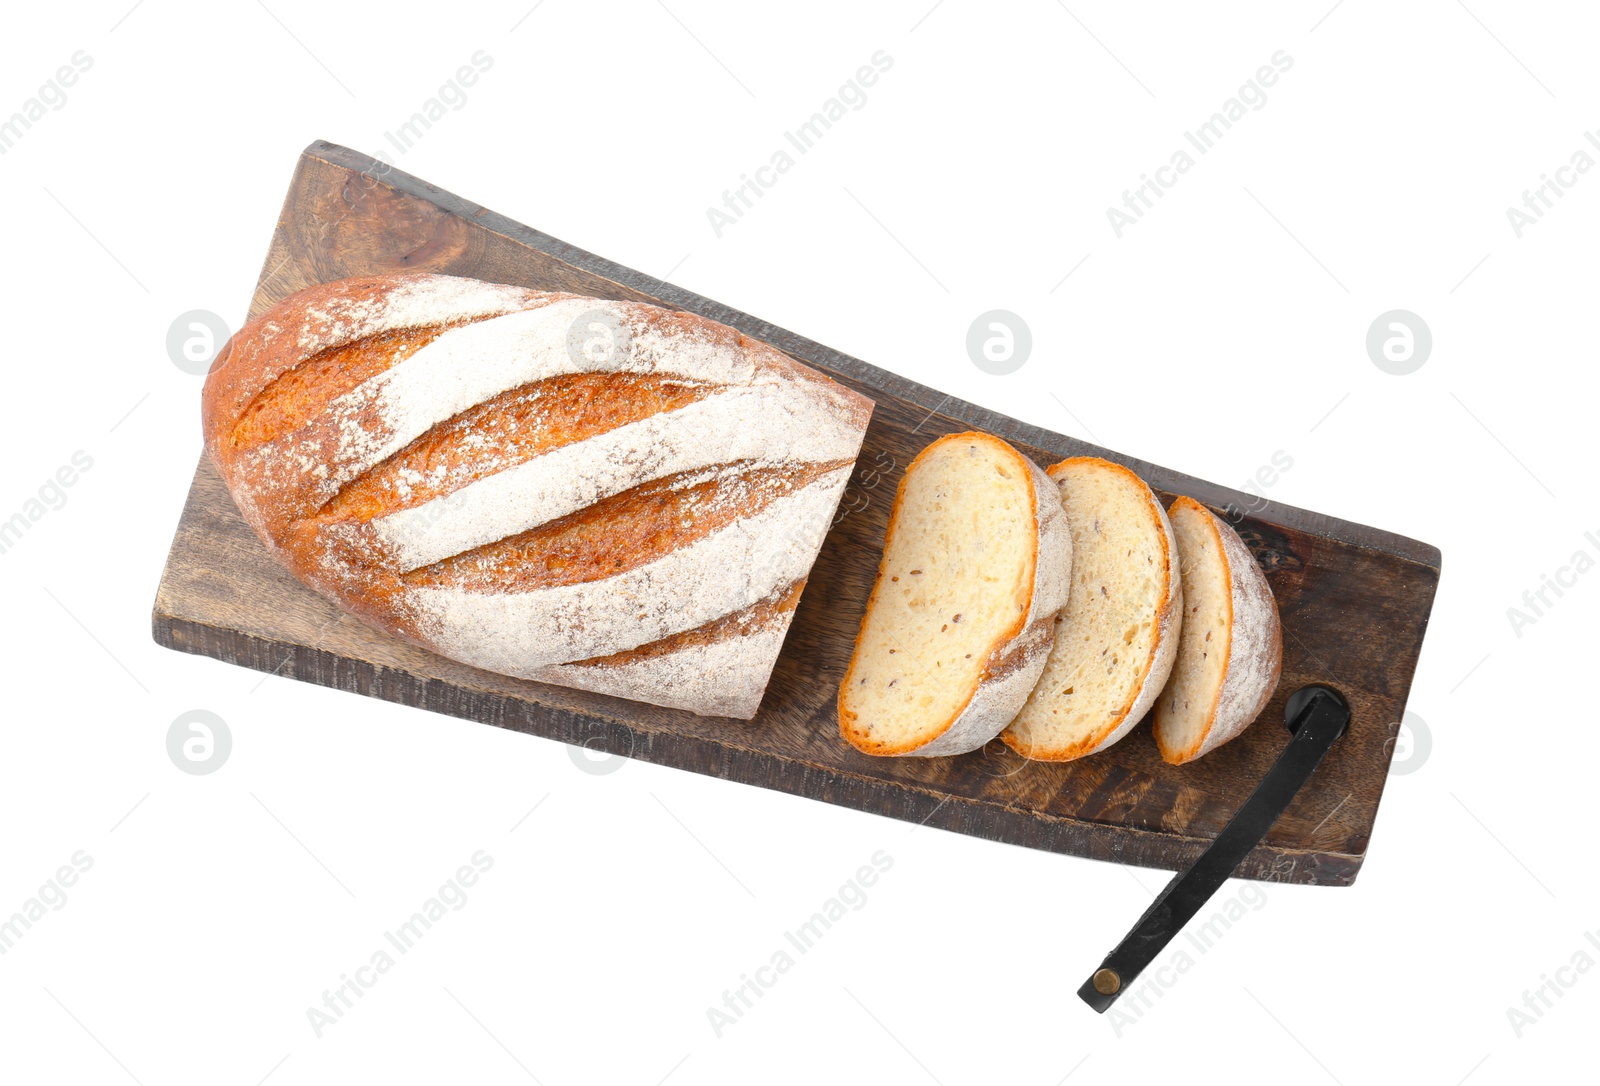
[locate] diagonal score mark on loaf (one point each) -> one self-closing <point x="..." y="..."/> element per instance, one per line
<point x="503" y="431"/>
<point x="300" y="394"/>
<point x="725" y="570"/>
<point x="349" y="339"/>
<point x="695" y="665"/>
<point x="770" y="613"/>
<point x="680" y="516"/>
<point x="621" y="532"/>
<point x="762" y="424"/>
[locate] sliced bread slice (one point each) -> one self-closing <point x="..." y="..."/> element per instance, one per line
<point x="1118" y="635"/>
<point x="976" y="564"/>
<point x="1231" y="647"/>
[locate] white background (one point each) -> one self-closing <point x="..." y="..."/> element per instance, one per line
<point x="1227" y="325"/>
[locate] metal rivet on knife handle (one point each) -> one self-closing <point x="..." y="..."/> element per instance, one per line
<point x="1316" y="715"/>
<point x="1106" y="982"/>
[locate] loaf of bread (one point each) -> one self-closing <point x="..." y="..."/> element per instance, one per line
<point x="1230" y="650"/>
<point x="976" y="563"/>
<point x="606" y="495"/>
<point x="1118" y="635"/>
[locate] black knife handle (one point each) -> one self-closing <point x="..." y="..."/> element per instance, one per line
<point x="1317" y="715"/>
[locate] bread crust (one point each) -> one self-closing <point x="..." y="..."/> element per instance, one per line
<point x="1017" y="656"/>
<point x="421" y="497"/>
<point x="1167" y="620"/>
<point x="1254" y="646"/>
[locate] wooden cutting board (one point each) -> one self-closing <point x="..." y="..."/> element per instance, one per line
<point x="1355" y="600"/>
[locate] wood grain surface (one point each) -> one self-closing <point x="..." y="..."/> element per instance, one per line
<point x="1355" y="600"/>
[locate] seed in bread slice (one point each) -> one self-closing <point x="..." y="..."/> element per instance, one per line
<point x="1118" y="635"/>
<point x="975" y="566"/>
<point x="1231" y="647"/>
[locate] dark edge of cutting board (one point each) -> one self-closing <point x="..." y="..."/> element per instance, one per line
<point x="1355" y="600"/>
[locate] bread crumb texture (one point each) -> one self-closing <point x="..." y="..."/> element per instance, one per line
<point x="952" y="617"/>
<point x="1116" y="638"/>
